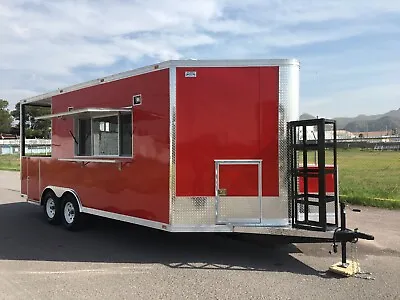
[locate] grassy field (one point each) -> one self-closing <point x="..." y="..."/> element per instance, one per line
<point x="366" y="177"/>
<point x="9" y="162"/>
<point x="370" y="177"/>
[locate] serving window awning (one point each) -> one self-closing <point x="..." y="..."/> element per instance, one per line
<point x="86" y="112"/>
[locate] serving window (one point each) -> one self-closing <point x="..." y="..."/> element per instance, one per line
<point x="109" y="135"/>
<point x="99" y="131"/>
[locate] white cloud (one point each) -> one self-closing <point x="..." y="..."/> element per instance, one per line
<point x="44" y="43"/>
<point x="343" y="103"/>
<point x="351" y="82"/>
<point x="315" y="11"/>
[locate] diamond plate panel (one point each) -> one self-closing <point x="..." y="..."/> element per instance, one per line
<point x="273" y="208"/>
<point x="196" y="210"/>
<point x="239" y="209"/>
<point x="200" y="210"/>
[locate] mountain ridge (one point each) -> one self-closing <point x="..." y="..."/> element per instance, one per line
<point x="389" y="121"/>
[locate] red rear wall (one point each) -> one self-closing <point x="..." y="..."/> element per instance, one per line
<point x="225" y="113"/>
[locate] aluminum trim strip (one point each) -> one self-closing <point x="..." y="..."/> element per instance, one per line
<point x="260" y="188"/>
<point x="125" y="218"/>
<point x="238" y="161"/>
<point x="235" y="63"/>
<point x="281" y="223"/>
<point x="94" y="160"/>
<point x="201" y="228"/>
<point x="27" y="175"/>
<point x="284" y="231"/>
<point x="30" y="201"/>
<point x="216" y="187"/>
<point x="101" y="112"/>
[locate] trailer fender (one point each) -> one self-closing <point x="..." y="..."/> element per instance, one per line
<point x="59" y="192"/>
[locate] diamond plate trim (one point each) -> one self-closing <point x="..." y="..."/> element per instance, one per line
<point x="289" y="91"/>
<point x="195" y="210"/>
<point x="239" y="210"/>
<point x="172" y="142"/>
<point x="200" y="210"/>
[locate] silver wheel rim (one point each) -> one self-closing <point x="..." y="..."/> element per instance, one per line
<point x="51" y="208"/>
<point x="69" y="212"/>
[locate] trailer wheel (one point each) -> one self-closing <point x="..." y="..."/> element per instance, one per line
<point x="51" y="208"/>
<point x="70" y="214"/>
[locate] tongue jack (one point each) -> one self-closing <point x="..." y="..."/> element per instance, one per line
<point x="345" y="235"/>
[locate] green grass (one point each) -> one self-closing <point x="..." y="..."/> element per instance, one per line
<point x="370" y="177"/>
<point x="9" y="162"/>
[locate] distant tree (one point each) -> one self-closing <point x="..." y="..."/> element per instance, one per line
<point x="361" y="135"/>
<point x="34" y="128"/>
<point x="5" y="117"/>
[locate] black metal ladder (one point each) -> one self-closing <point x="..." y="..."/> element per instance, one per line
<point x="309" y="207"/>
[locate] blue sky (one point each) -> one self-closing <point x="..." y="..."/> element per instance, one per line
<point x="349" y="50"/>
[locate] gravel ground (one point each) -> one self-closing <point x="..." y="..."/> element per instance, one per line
<point x="110" y="259"/>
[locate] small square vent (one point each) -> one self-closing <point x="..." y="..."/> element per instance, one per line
<point x="137" y="100"/>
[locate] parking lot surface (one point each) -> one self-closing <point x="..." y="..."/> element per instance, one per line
<point x="114" y="260"/>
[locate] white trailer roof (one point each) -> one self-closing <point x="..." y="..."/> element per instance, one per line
<point x="45" y="99"/>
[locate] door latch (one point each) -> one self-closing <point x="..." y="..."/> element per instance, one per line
<point x="222" y="192"/>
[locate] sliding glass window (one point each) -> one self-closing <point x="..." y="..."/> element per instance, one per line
<point x="105" y="135"/>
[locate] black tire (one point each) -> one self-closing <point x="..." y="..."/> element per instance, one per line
<point x="52" y="208"/>
<point x="70" y="215"/>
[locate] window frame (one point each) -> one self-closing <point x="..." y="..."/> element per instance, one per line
<point x="77" y="131"/>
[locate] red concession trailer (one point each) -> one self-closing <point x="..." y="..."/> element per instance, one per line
<point x="184" y="146"/>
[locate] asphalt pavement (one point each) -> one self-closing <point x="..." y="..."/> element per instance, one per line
<point x="114" y="260"/>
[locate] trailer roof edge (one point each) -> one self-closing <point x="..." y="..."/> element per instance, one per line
<point x="45" y="99"/>
<point x="234" y="62"/>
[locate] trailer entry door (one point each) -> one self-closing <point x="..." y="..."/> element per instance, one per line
<point x="238" y="191"/>
<point x="33" y="178"/>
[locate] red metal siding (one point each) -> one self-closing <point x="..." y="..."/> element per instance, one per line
<point x="269" y="101"/>
<point x="225" y="113"/>
<point x="24" y="174"/>
<point x="239" y="180"/>
<point x="141" y="188"/>
<point x="33" y="178"/>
